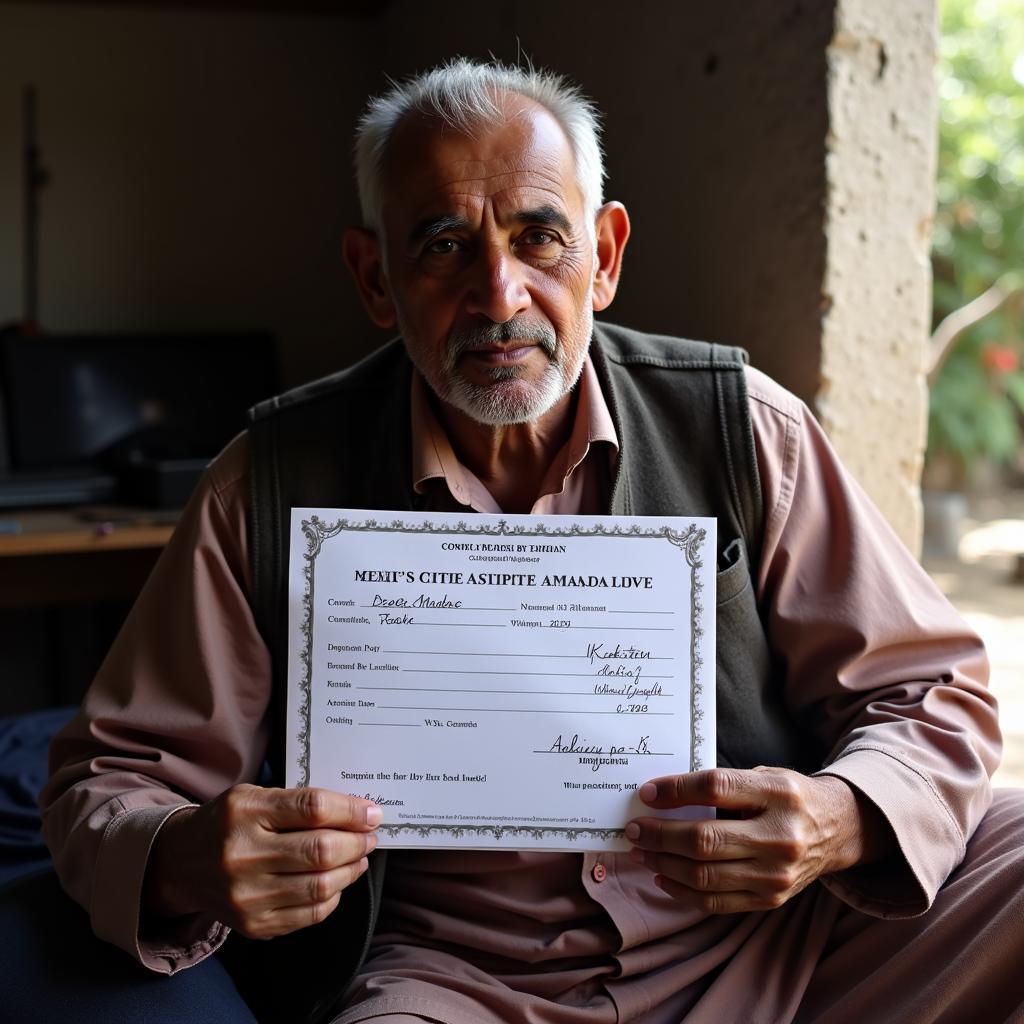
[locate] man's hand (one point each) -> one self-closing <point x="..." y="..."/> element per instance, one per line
<point x="793" y="829"/>
<point x="264" y="861"/>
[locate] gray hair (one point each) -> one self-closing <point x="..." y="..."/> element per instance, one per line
<point x="462" y="94"/>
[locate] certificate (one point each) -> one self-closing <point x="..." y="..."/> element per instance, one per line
<point x="500" y="681"/>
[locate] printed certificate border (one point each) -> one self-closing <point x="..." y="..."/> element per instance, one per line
<point x="317" y="532"/>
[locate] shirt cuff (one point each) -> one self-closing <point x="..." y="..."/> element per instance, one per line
<point x="929" y="843"/>
<point x="117" y="897"/>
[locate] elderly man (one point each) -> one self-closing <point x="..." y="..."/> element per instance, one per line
<point x="855" y="735"/>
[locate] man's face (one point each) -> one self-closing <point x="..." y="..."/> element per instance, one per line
<point x="490" y="263"/>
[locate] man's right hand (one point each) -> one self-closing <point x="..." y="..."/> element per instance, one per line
<point x="263" y="861"/>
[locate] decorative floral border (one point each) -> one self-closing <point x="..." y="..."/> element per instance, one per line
<point x="317" y="533"/>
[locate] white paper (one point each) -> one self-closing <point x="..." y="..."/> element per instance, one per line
<point x="500" y="681"/>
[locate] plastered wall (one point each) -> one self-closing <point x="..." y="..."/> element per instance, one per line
<point x="880" y="163"/>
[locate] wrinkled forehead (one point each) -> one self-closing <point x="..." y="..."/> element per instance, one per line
<point x="522" y="161"/>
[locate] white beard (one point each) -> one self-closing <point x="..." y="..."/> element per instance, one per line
<point x="509" y="398"/>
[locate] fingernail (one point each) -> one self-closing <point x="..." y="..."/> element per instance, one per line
<point x="648" y="792"/>
<point x="371" y="842"/>
<point x="374" y="816"/>
<point x="632" y="831"/>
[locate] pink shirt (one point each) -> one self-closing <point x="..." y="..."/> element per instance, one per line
<point x="869" y="649"/>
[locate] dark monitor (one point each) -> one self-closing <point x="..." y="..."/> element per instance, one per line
<point x="102" y="399"/>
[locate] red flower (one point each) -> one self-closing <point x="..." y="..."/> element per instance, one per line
<point x="999" y="358"/>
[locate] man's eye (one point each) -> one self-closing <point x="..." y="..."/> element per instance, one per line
<point x="537" y="237"/>
<point x="442" y="246"/>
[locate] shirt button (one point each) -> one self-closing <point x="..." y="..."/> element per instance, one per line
<point x="600" y="873"/>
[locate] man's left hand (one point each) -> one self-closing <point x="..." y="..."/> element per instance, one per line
<point x="793" y="829"/>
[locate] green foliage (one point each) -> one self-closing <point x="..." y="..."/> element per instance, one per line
<point x="970" y="417"/>
<point x="977" y="401"/>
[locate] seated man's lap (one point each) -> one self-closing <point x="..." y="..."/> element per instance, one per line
<point x="959" y="961"/>
<point x="54" y="969"/>
<point x="903" y="968"/>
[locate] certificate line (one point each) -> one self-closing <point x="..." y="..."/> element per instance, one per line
<point x="635" y="611"/>
<point x="395" y="725"/>
<point x="526" y="711"/>
<point x="514" y="654"/>
<point x="564" y="693"/>
<point x="436" y="608"/>
<point x="623" y="629"/>
<point x="624" y="753"/>
<point x="491" y="672"/>
<point x="491" y="625"/>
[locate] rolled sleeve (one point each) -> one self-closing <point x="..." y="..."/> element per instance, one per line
<point x="116" y="912"/>
<point x="928" y="838"/>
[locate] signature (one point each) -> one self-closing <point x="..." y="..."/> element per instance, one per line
<point x="423" y="601"/>
<point x="596" y="652"/>
<point x="629" y="690"/>
<point x="578" y="746"/>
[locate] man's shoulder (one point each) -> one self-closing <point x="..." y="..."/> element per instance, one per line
<point x="374" y="372"/>
<point x="627" y="346"/>
<point x="228" y="473"/>
<point x="764" y="391"/>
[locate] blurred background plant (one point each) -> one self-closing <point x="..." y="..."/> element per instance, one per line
<point x="977" y="359"/>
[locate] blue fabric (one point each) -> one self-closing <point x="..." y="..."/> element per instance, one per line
<point x="53" y="968"/>
<point x="24" y="740"/>
<point x="54" y="971"/>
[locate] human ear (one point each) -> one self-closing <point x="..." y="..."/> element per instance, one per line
<point x="361" y="252"/>
<point x="612" y="230"/>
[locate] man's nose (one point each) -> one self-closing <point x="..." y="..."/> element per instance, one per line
<point x="497" y="289"/>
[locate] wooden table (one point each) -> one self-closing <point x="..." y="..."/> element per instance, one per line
<point x="78" y="555"/>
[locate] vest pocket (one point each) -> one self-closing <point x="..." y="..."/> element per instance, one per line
<point x="753" y="725"/>
<point x="734" y="573"/>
